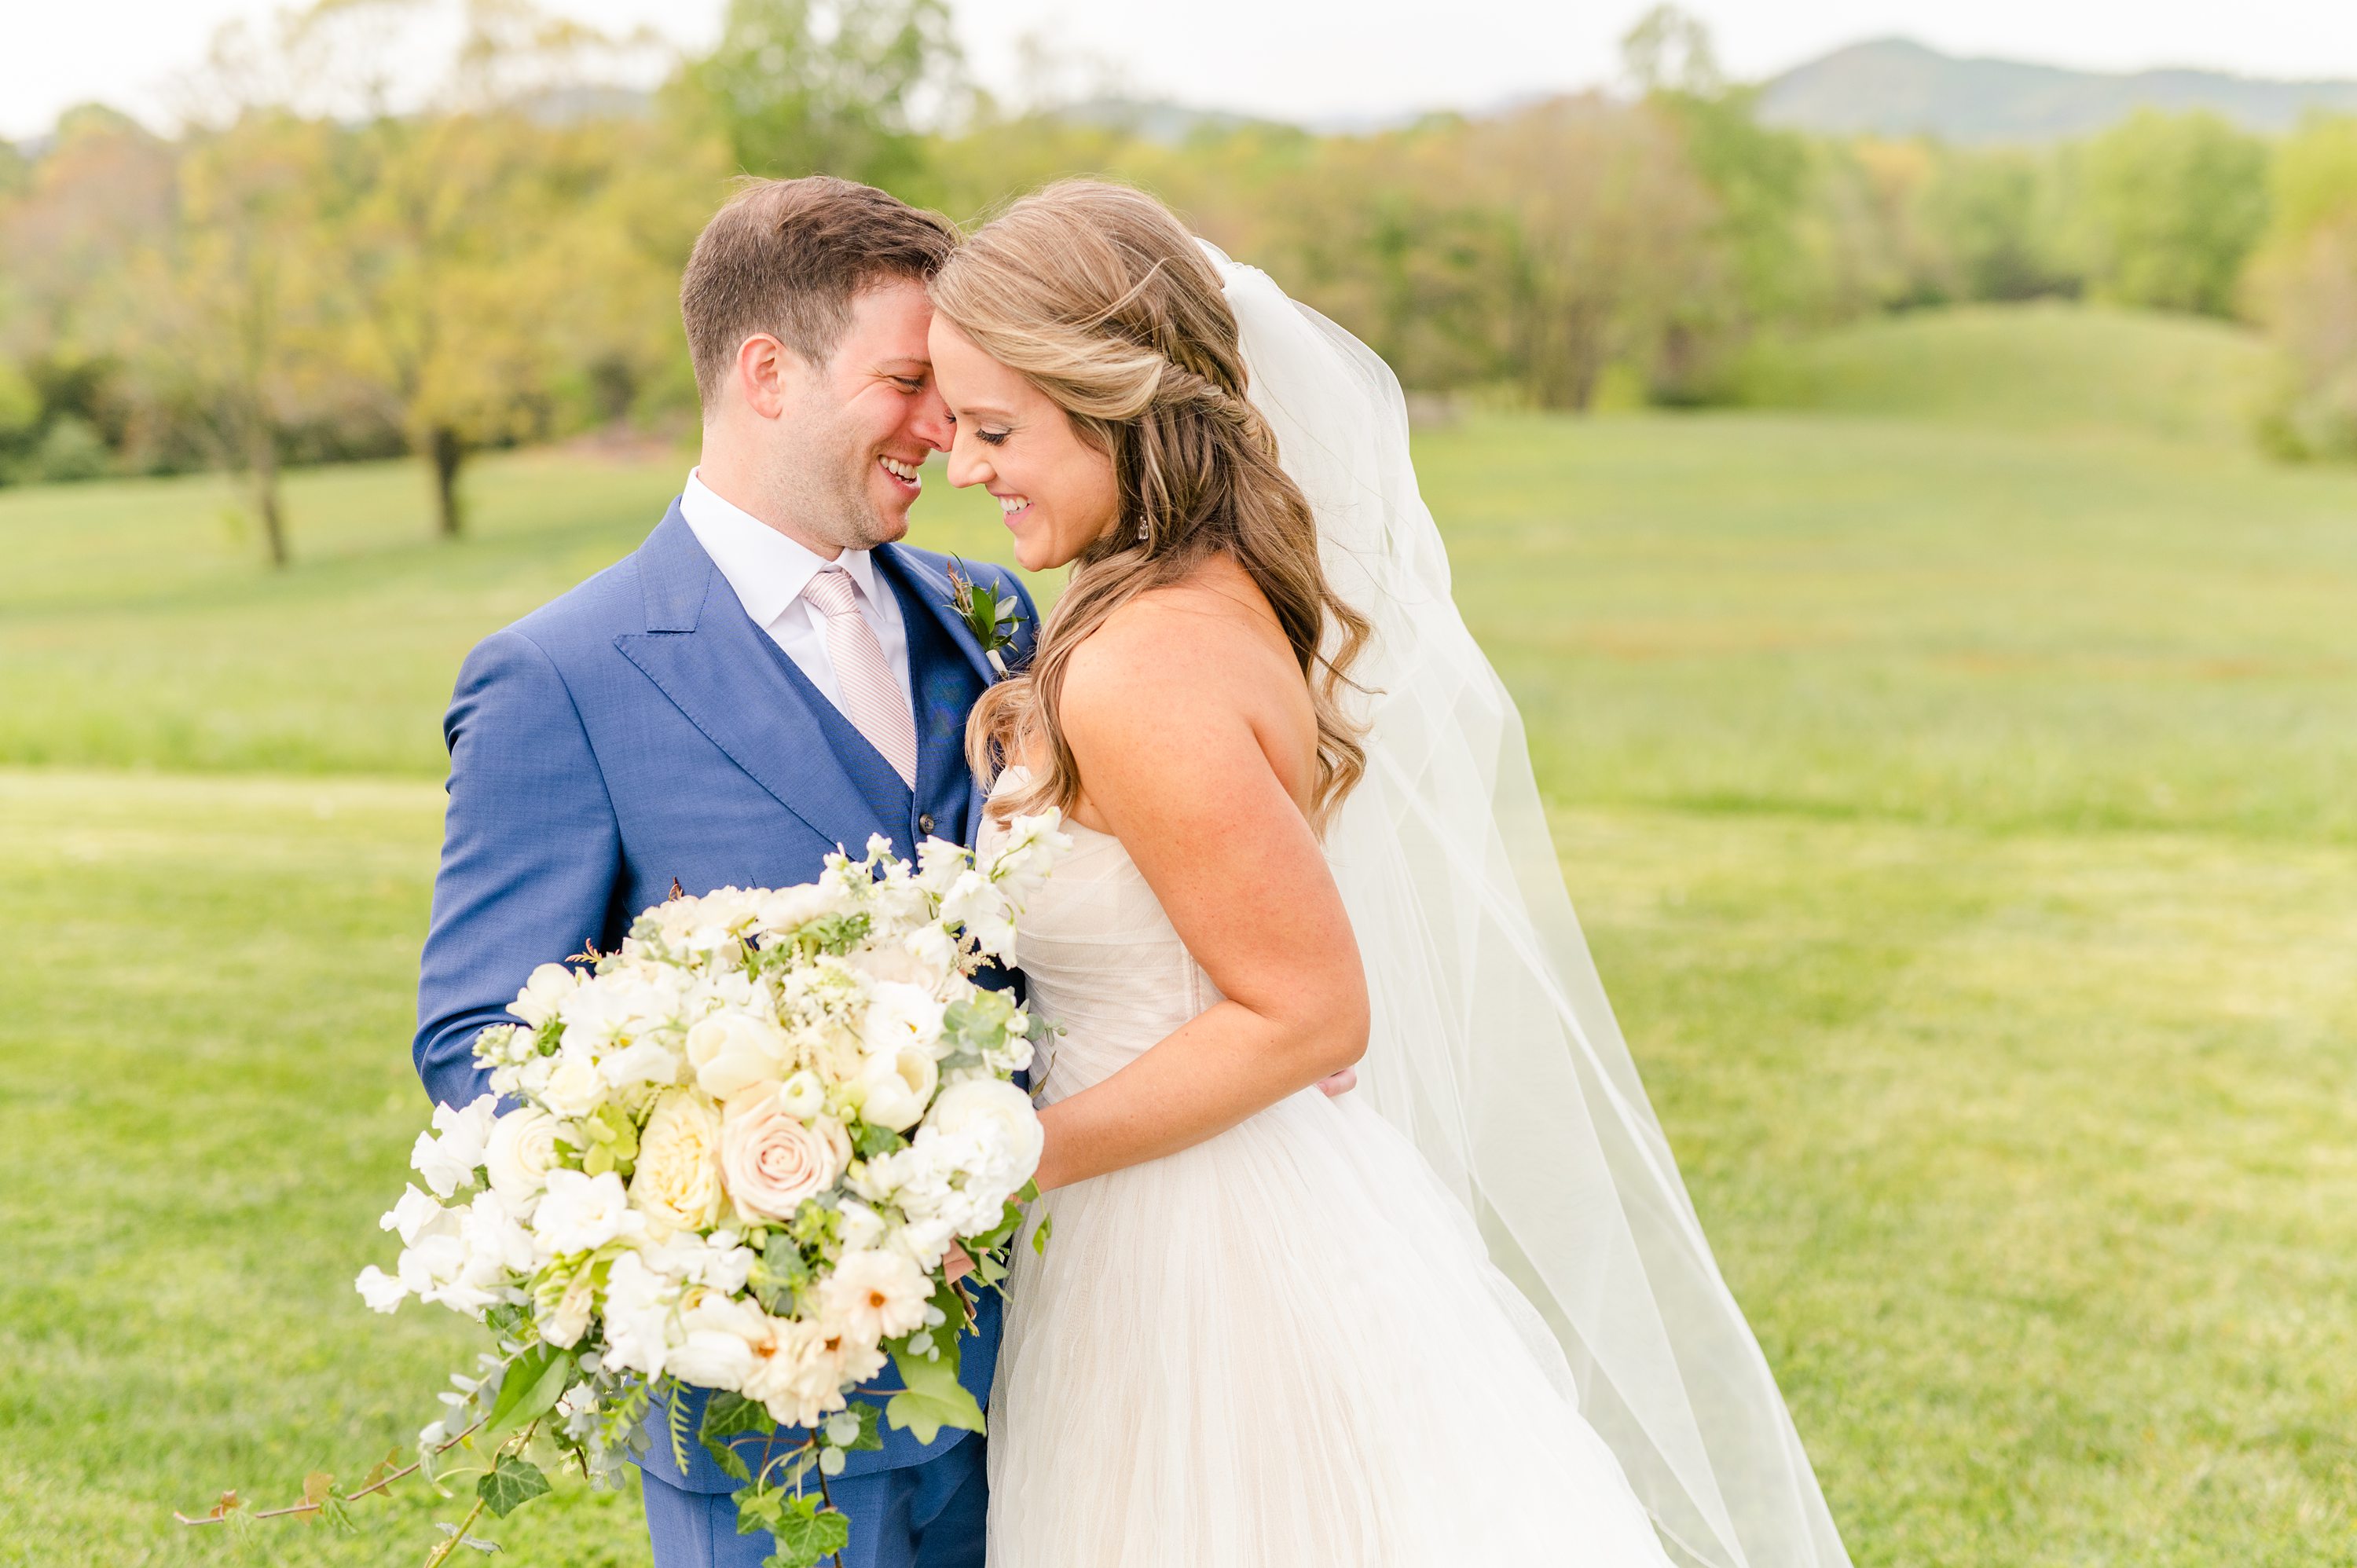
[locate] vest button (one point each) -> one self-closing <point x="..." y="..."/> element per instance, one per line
<point x="924" y="824"/>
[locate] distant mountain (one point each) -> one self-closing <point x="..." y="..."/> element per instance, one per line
<point x="1152" y="119"/>
<point x="1899" y="88"/>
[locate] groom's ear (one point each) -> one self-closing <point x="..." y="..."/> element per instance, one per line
<point x="766" y="373"/>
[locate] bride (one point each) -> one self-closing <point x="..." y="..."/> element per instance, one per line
<point x="1467" y="1313"/>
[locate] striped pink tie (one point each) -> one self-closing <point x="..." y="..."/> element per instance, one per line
<point x="872" y="699"/>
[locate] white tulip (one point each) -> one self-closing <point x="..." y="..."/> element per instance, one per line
<point x="731" y="1051"/>
<point x="896" y="1089"/>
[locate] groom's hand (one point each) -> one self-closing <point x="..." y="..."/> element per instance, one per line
<point x="1340" y="1083"/>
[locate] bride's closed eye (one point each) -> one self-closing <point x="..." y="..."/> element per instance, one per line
<point x="987" y="437"/>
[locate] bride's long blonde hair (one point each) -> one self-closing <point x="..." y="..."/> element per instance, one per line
<point x="1099" y="296"/>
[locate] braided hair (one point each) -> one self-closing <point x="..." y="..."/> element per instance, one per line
<point x="1101" y="298"/>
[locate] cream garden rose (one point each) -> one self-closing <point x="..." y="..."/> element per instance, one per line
<point x="677" y="1184"/>
<point x="519" y="1155"/>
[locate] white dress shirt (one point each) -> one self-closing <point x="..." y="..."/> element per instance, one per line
<point x="769" y="572"/>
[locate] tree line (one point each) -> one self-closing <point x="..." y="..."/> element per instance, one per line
<point x="315" y="268"/>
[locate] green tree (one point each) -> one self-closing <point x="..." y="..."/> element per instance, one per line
<point x="2171" y="209"/>
<point x="1613" y="260"/>
<point x="1995" y="218"/>
<point x="478" y="264"/>
<point x="799" y="86"/>
<point x="2303" y="286"/>
<point x="222" y="317"/>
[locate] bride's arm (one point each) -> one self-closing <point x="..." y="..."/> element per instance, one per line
<point x="1170" y="761"/>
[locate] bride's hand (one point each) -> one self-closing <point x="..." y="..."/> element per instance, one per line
<point x="1339" y="1083"/>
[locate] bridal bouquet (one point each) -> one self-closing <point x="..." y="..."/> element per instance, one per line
<point x="739" y="1155"/>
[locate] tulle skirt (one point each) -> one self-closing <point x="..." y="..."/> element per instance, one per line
<point x="1286" y="1347"/>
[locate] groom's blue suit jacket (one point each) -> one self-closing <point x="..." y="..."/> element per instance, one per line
<point x="641" y="730"/>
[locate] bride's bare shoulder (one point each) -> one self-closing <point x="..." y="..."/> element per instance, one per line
<point x="1202" y="635"/>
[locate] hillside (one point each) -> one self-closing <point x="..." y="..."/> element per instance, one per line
<point x="2045" y="366"/>
<point x="1899" y="88"/>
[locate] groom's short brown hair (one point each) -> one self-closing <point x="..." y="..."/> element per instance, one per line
<point x="788" y="256"/>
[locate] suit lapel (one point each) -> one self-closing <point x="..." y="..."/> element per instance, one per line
<point x="704" y="652"/>
<point x="946" y="672"/>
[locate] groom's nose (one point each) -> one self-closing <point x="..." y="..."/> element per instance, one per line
<point x="929" y="422"/>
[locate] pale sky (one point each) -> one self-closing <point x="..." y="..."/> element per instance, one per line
<point x="1302" y="59"/>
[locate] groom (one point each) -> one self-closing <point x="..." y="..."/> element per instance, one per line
<point x="769" y="676"/>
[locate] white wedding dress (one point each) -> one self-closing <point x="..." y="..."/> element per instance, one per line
<point x="1284" y="1348"/>
<point x="1297" y="1344"/>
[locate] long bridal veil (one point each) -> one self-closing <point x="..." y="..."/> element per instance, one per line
<point x="1495" y="1048"/>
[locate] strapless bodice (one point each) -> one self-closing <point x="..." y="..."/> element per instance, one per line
<point x="1100" y="959"/>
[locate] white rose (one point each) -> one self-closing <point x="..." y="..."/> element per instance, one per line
<point x="998" y="1113"/>
<point x="895" y="1088"/>
<point x="732" y="1051"/>
<point x="771" y="1160"/>
<point x="543" y="994"/>
<point x="676" y="1181"/>
<point x="580" y="1213"/>
<point x="874" y="1296"/>
<point x="519" y="1155"/>
<point x="573" y="1088"/>
<point x="899" y="1016"/>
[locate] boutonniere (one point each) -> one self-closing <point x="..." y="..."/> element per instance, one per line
<point x="993" y="620"/>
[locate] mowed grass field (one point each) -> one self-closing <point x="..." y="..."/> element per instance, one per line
<point x="1954" y="774"/>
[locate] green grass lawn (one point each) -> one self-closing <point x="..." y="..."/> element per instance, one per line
<point x="1956" y="794"/>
